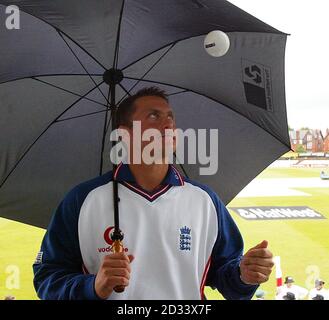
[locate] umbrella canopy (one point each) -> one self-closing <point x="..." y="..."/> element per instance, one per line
<point x="54" y="98"/>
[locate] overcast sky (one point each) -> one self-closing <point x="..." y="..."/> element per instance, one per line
<point x="307" y="55"/>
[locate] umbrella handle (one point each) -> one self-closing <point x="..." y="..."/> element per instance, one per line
<point x="118" y="247"/>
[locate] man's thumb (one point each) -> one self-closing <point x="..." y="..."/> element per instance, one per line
<point x="131" y="258"/>
<point x="261" y="245"/>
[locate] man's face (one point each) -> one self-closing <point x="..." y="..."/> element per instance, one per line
<point x="154" y="113"/>
<point x="289" y="284"/>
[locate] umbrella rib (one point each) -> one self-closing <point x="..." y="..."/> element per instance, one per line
<point x="51" y="75"/>
<point x="174" y="42"/>
<point x="108" y="123"/>
<point x="59" y="31"/>
<point x="172" y="94"/>
<point x="141" y="79"/>
<point x="225" y="105"/>
<point x="104" y="133"/>
<point x="68" y="91"/>
<point x="156" y="50"/>
<point x="42" y="133"/>
<point x="116" y="53"/>
<point x="125" y="90"/>
<point x="150" y="53"/>
<point x="82" y="115"/>
<point x="91" y="78"/>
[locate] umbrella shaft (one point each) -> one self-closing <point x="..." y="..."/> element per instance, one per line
<point x="115" y="183"/>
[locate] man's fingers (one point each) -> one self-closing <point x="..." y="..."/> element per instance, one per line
<point x="268" y="262"/>
<point x="118" y="281"/>
<point x="117" y="255"/>
<point x="255" y="268"/>
<point x="263" y="244"/>
<point x="260" y="252"/>
<point x="252" y="277"/>
<point x="116" y="272"/>
<point x="123" y="264"/>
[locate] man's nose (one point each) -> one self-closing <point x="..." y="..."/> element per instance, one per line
<point x="168" y="123"/>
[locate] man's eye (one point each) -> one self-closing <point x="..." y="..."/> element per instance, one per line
<point x="153" y="116"/>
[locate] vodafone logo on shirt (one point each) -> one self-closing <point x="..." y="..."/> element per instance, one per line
<point x="107" y="236"/>
<point x="109" y="241"/>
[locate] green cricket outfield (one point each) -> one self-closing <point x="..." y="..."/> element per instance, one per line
<point x="303" y="245"/>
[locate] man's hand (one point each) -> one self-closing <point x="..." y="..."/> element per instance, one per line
<point x="256" y="265"/>
<point x="114" y="271"/>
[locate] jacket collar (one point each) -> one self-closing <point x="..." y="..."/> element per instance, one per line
<point x="173" y="177"/>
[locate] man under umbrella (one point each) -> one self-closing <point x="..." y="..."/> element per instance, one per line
<point x="318" y="290"/>
<point x="178" y="235"/>
<point x="291" y="289"/>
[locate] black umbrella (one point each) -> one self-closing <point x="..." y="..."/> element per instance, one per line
<point x="70" y="63"/>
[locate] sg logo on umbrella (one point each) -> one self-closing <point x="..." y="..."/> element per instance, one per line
<point x="13" y="19"/>
<point x="257" y="83"/>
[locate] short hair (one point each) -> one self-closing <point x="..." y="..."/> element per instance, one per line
<point x="127" y="106"/>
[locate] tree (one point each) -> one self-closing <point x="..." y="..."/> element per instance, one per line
<point x="300" y="148"/>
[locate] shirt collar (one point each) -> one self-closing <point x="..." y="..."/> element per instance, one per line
<point x="173" y="177"/>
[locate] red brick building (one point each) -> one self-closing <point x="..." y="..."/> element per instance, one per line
<point x="317" y="141"/>
<point x="326" y="141"/>
<point x="310" y="140"/>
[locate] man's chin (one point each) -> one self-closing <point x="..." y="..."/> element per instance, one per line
<point x="160" y="160"/>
